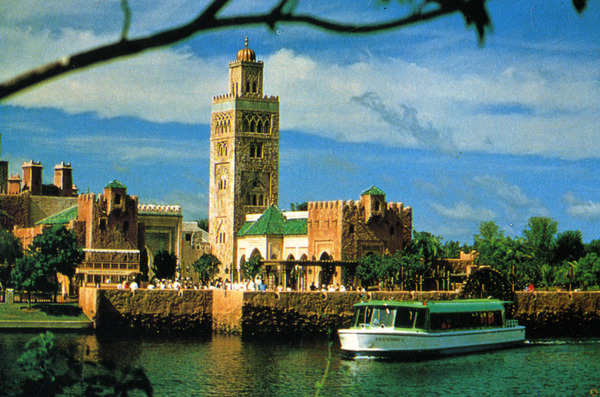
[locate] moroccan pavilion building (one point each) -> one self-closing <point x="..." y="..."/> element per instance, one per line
<point x="297" y="248"/>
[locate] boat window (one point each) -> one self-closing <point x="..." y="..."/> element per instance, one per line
<point x="383" y="317"/>
<point x="359" y="317"/>
<point x="362" y="315"/>
<point x="405" y="317"/>
<point x="492" y="318"/>
<point x="421" y="322"/>
<point x="448" y="321"/>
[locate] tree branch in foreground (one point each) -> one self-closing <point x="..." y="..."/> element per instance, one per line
<point x="209" y="21"/>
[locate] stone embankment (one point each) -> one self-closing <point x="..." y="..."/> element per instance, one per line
<point x="297" y="314"/>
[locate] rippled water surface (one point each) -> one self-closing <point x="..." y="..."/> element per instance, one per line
<point x="228" y="366"/>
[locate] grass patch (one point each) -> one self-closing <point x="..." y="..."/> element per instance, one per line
<point x="42" y="312"/>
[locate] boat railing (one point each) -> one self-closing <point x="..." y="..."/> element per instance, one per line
<point x="512" y="323"/>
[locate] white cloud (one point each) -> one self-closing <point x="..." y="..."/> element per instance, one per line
<point x="586" y="210"/>
<point x="510" y="199"/>
<point x="161" y="86"/>
<point x="464" y="211"/>
<point x="128" y="149"/>
<point x="194" y="205"/>
<point x="531" y="102"/>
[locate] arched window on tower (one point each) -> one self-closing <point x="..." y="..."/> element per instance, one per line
<point x="247" y="87"/>
<point x="255" y="195"/>
<point x="254" y="87"/>
<point x="256" y="150"/>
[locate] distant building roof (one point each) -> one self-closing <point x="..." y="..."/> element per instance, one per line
<point x="373" y="191"/>
<point x="273" y="222"/>
<point x="60" y="218"/>
<point x="115" y="185"/>
<point x="190" y="227"/>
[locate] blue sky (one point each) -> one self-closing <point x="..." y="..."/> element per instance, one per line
<point x="461" y="133"/>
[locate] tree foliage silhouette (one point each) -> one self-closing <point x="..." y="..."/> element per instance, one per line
<point x="164" y="264"/>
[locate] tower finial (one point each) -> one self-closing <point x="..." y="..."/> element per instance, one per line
<point x="246" y="42"/>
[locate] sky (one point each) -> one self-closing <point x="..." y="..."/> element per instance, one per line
<point x="463" y="133"/>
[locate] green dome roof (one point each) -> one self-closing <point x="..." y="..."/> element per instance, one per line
<point x="115" y="185"/>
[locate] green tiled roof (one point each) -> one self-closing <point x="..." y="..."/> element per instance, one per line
<point x="295" y="227"/>
<point x="115" y="185"/>
<point x="273" y="222"/>
<point x="60" y="218"/>
<point x="373" y="191"/>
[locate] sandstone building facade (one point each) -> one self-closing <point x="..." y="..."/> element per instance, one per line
<point x="297" y="246"/>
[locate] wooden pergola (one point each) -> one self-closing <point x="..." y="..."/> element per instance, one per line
<point x="295" y="274"/>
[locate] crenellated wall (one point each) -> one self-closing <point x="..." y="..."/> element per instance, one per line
<point x="299" y="314"/>
<point x="347" y="230"/>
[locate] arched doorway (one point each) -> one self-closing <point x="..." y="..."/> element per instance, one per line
<point x="327" y="270"/>
<point x="291" y="273"/>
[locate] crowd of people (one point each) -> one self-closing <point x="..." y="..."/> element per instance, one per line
<point x="243" y="285"/>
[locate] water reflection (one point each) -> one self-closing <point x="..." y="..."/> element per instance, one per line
<point x="229" y="366"/>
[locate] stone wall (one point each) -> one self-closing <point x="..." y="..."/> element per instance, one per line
<point x="17" y="207"/>
<point x="559" y="314"/>
<point x="112" y="310"/>
<point x="298" y="314"/>
<point x="227" y="311"/>
<point x="309" y="314"/>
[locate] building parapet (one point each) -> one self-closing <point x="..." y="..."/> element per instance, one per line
<point x="110" y="250"/>
<point x="159" y="209"/>
<point x="228" y="96"/>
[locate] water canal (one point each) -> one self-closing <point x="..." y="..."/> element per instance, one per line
<point x="229" y="366"/>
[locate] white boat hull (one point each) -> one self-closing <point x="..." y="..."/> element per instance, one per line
<point x="383" y="342"/>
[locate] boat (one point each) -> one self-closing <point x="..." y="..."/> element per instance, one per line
<point x="387" y="328"/>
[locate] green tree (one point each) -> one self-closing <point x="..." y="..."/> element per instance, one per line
<point x="451" y="249"/>
<point x="510" y="256"/>
<point x="567" y="274"/>
<point x="547" y="275"/>
<point x="10" y="250"/>
<point x="412" y="269"/>
<point x="207" y="267"/>
<point x="54" y="251"/>
<point x="252" y="267"/>
<point x="592" y="247"/>
<point x="370" y="270"/>
<point x="299" y="206"/>
<point x="580" y="274"/>
<point x="144" y="269"/>
<point x="57" y="247"/>
<point x="203" y="224"/>
<point x="588" y="271"/>
<point x="569" y="246"/>
<point x="164" y="264"/>
<point x="427" y="245"/>
<point x="540" y="234"/>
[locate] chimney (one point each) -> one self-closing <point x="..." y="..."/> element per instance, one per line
<point x="14" y="184"/>
<point x="32" y="177"/>
<point x="63" y="179"/>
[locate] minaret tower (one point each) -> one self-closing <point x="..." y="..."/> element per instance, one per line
<point x="244" y="156"/>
